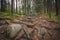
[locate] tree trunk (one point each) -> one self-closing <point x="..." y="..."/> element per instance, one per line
<point x="49" y="5"/>
<point x="45" y="8"/>
<point x="57" y="7"/>
<point x="16" y="6"/>
<point x="12" y="4"/>
<point x="3" y="5"/>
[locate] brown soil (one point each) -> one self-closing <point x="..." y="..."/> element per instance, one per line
<point x="33" y="25"/>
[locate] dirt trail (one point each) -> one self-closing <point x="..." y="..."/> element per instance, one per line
<point x="36" y="28"/>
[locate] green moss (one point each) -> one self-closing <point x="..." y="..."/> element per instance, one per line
<point x="9" y="15"/>
<point x="18" y="15"/>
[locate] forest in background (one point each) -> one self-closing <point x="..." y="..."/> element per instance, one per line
<point x="18" y="8"/>
<point x="29" y="19"/>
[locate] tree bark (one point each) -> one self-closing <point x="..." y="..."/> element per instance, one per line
<point x="16" y="6"/>
<point x="3" y="5"/>
<point x="49" y="7"/>
<point x="57" y="5"/>
<point x="12" y="3"/>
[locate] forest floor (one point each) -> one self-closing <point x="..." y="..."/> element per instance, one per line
<point x="33" y="24"/>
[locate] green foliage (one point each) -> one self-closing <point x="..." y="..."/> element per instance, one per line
<point x="10" y="15"/>
<point x="54" y="17"/>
